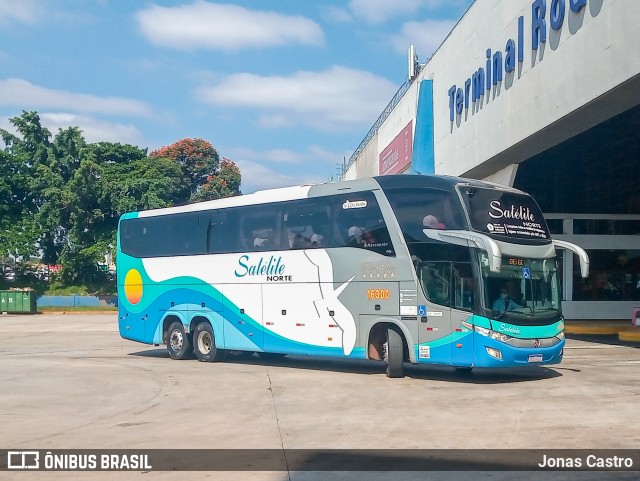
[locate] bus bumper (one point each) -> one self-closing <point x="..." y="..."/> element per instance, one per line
<point x="492" y="353"/>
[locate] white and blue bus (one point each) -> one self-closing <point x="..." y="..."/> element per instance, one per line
<point x="420" y="269"/>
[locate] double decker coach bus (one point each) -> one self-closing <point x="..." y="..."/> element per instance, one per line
<point x="420" y="269"/>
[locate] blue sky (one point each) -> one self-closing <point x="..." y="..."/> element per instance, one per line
<point x="285" y="88"/>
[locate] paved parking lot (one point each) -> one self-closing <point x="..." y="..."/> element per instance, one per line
<point x="70" y="381"/>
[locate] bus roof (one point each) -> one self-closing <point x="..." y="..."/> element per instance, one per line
<point x="317" y="190"/>
<point x="444" y="182"/>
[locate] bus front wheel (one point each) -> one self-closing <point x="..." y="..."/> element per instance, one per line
<point x="178" y="343"/>
<point x="394" y="354"/>
<point x="204" y="344"/>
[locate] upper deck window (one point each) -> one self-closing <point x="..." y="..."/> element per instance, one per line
<point x="424" y="208"/>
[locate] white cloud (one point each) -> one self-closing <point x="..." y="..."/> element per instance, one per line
<point x="275" y="121"/>
<point x="328" y="100"/>
<point x="23" y="11"/>
<point x="256" y="176"/>
<point x="224" y="27"/>
<point x="325" y="155"/>
<point x="377" y="11"/>
<point x="32" y="12"/>
<point x="20" y="93"/>
<point x="93" y="129"/>
<point x="280" y="156"/>
<point x="313" y="155"/>
<point x="427" y="36"/>
<point x="336" y="14"/>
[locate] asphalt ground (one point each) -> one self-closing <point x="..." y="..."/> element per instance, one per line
<point x="71" y="382"/>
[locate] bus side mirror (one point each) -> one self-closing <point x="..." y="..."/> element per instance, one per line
<point x="579" y="251"/>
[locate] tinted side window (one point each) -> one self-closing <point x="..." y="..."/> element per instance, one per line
<point x="260" y="227"/>
<point x="358" y="222"/>
<point x="222" y="233"/>
<point x="435" y="277"/>
<point x="418" y="209"/>
<point x="307" y="223"/>
<point x="446" y="275"/>
<point x="161" y="236"/>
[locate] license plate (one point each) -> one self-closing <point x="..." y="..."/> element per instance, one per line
<point x="535" y="358"/>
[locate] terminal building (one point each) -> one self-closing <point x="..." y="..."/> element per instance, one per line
<point x="543" y="96"/>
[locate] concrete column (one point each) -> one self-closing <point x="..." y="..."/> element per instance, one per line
<point x="505" y="176"/>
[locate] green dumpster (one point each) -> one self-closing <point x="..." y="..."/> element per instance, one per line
<point x="4" y="301"/>
<point x="18" y="301"/>
<point x="15" y="300"/>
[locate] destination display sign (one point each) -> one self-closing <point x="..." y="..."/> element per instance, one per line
<point x="505" y="214"/>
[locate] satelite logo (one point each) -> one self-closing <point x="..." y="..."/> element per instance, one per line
<point x="23" y="460"/>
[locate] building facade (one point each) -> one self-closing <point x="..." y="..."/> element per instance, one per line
<point x="544" y="96"/>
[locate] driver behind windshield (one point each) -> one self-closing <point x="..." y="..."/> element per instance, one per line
<point x="504" y="302"/>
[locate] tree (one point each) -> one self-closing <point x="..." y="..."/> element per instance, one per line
<point x="23" y="156"/>
<point x="208" y="177"/>
<point x="112" y="179"/>
<point x="225" y="184"/>
<point x="62" y="198"/>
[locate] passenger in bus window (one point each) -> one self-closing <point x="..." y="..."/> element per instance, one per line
<point x="354" y="236"/>
<point x="504" y="302"/>
<point x="262" y="239"/>
<point x="316" y="240"/>
<point x="368" y="238"/>
<point x="432" y="222"/>
<point x="300" y="242"/>
<point x="260" y="243"/>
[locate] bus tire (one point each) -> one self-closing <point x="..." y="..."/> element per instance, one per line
<point x="204" y="344"/>
<point x="394" y="354"/>
<point x="178" y="342"/>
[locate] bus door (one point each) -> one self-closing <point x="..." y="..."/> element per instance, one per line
<point x="444" y="339"/>
<point x="462" y="299"/>
<point x="435" y="315"/>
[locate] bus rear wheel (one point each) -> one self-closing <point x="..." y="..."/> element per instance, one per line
<point x="394" y="354"/>
<point x="204" y="344"/>
<point x="178" y="342"/>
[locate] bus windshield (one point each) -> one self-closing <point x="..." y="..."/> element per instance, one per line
<point x="524" y="289"/>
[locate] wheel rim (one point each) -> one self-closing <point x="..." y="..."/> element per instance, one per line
<point x="176" y="340"/>
<point x="204" y="342"/>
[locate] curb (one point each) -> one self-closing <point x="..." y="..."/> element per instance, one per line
<point x="611" y="328"/>
<point x="630" y="335"/>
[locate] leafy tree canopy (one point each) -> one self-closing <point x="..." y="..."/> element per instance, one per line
<point x="61" y="197"/>
<point x="208" y="177"/>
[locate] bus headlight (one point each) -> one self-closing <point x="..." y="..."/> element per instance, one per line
<point x="560" y="335"/>
<point x="494" y="353"/>
<point x="498" y="336"/>
<point x="482" y="331"/>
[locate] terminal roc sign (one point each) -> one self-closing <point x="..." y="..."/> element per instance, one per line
<point x="542" y="12"/>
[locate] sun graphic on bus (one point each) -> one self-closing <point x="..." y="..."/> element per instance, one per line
<point x="133" y="286"/>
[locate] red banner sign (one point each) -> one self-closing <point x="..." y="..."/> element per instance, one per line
<point x="397" y="155"/>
